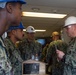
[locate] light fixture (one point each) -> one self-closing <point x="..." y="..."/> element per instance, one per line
<point x="37" y="30"/>
<point x="40" y="30"/>
<point x="44" y="15"/>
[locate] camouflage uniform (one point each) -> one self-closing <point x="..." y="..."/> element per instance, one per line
<point x="29" y="49"/>
<point x="51" y="58"/>
<point x="70" y="59"/>
<point x="44" y="52"/>
<point x="5" y="68"/>
<point x="14" y="56"/>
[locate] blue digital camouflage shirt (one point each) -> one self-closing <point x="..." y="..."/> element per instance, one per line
<point x="14" y="56"/>
<point x="5" y="68"/>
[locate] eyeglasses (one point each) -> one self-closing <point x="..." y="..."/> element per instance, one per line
<point x="68" y="27"/>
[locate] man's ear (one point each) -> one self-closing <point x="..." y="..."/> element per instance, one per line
<point x="13" y="31"/>
<point x="9" y="7"/>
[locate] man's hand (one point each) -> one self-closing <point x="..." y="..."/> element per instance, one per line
<point x="60" y="54"/>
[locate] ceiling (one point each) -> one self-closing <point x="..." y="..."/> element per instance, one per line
<point x="48" y="6"/>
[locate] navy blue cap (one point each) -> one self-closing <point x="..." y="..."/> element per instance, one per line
<point x="16" y="27"/>
<point x="21" y="1"/>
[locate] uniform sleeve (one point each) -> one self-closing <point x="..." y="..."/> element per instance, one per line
<point x="44" y="52"/>
<point x="4" y="64"/>
<point x="40" y="51"/>
<point x="49" y="53"/>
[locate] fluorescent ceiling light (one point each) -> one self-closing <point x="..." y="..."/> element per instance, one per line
<point x="40" y="30"/>
<point x="37" y="30"/>
<point x="44" y="15"/>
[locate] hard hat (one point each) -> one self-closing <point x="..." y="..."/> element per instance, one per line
<point x="4" y="35"/>
<point x="55" y="33"/>
<point x="21" y="1"/>
<point x="16" y="27"/>
<point x="3" y="2"/>
<point x="30" y="29"/>
<point x="70" y="21"/>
